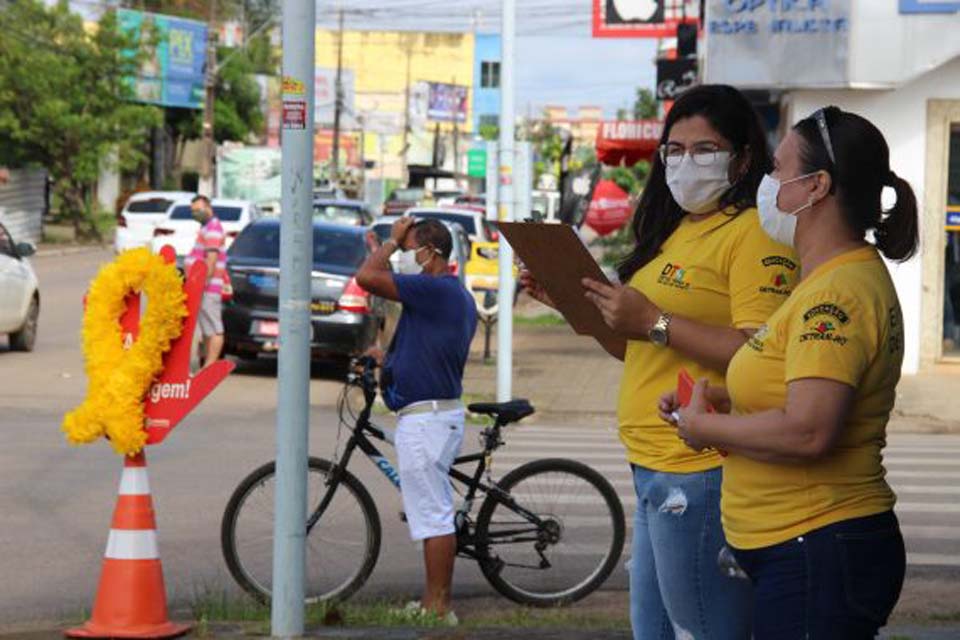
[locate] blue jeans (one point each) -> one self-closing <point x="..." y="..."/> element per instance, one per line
<point x="677" y="589"/>
<point x="839" y="582"/>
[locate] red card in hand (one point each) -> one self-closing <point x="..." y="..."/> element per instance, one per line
<point x="685" y="384"/>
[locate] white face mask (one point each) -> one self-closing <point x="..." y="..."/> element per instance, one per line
<point x="407" y="263"/>
<point x="698" y="189"/>
<point x="779" y="225"/>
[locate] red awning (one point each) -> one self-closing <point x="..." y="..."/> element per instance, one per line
<point x="625" y="142"/>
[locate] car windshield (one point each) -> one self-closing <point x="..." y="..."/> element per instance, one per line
<point x="465" y="221"/>
<point x="154" y="205"/>
<point x="338" y="251"/>
<point x="407" y="195"/>
<point x="224" y="214"/>
<point x="338" y="214"/>
<point x="382" y="231"/>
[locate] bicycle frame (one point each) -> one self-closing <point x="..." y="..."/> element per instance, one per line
<point x="466" y="542"/>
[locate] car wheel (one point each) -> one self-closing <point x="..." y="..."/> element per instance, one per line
<point x="26" y="337"/>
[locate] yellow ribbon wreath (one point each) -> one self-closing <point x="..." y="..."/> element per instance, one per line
<point x="118" y="378"/>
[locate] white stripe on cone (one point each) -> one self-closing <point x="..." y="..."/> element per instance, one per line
<point x="134" y="482"/>
<point x="132" y="545"/>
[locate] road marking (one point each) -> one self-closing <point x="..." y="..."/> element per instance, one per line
<point x="939" y="490"/>
<point x="927" y="507"/>
<point x="929" y="532"/>
<point x="934" y="559"/>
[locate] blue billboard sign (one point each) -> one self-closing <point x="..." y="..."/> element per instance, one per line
<point x="929" y="6"/>
<point x="171" y="74"/>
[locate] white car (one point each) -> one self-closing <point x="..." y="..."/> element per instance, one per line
<point x="141" y="214"/>
<point x="473" y="222"/>
<point x="179" y="230"/>
<point x="19" y="293"/>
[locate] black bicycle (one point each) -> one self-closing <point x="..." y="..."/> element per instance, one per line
<point x="547" y="533"/>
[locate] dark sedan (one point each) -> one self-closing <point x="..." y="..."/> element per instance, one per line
<point x="345" y="319"/>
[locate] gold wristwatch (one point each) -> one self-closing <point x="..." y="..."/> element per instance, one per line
<point x="659" y="333"/>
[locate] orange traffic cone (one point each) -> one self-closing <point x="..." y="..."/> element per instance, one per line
<point x="131" y="599"/>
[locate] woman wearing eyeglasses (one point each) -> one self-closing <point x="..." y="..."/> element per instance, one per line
<point x="702" y="277"/>
<point x="805" y="504"/>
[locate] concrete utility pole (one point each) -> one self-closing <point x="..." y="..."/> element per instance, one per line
<point x="507" y="116"/>
<point x="456" y="135"/>
<point x="405" y="176"/>
<point x="209" y="84"/>
<point x="296" y="265"/>
<point x="338" y="102"/>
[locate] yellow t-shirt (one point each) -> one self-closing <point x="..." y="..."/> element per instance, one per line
<point x="843" y="323"/>
<point x="723" y="270"/>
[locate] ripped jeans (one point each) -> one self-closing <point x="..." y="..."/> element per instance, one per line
<point x="677" y="589"/>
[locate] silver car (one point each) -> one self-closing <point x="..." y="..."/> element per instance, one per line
<point x="19" y="293"/>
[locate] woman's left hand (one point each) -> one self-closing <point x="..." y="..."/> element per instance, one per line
<point x="624" y="309"/>
<point x="687" y="422"/>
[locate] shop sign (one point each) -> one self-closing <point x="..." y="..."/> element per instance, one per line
<point x="929" y="6"/>
<point x="784" y="44"/>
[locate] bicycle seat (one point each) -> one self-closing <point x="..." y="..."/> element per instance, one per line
<point x="504" y="412"/>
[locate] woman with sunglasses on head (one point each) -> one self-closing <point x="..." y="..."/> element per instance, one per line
<point x="805" y="504"/>
<point x="701" y="279"/>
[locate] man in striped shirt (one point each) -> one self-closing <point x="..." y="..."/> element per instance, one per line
<point x="210" y="248"/>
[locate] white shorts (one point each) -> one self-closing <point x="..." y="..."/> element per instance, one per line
<point x="427" y="444"/>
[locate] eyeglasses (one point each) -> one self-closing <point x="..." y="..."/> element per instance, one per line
<point x="821" y="118"/>
<point x="703" y="155"/>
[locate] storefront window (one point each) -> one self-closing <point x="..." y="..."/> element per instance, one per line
<point x="951" y="289"/>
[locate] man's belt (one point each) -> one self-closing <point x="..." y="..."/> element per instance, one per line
<point x="430" y="406"/>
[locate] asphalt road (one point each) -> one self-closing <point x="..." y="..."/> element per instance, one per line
<point x="56" y="500"/>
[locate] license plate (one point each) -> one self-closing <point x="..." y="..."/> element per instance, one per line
<point x="268" y="328"/>
<point x="262" y="281"/>
<point x="324" y="307"/>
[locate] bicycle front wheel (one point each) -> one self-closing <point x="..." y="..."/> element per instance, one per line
<point x="342" y="548"/>
<point x="570" y="552"/>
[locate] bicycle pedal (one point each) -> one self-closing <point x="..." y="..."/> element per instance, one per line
<point x="403" y="517"/>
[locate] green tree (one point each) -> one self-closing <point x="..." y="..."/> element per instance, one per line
<point x="66" y="103"/>
<point x="645" y="106"/>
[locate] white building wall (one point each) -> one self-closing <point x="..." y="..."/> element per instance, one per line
<point x="901" y="115"/>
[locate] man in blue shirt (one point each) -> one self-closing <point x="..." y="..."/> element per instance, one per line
<point x="422" y="380"/>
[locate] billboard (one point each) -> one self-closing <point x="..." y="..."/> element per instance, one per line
<point x="325" y="94"/>
<point x="249" y="173"/>
<point x="778" y="45"/>
<point x="447" y="102"/>
<point x="642" y="18"/>
<point x="171" y="74"/>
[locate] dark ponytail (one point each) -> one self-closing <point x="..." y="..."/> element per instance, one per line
<point x="860" y="169"/>
<point x="733" y="117"/>
<point x="897" y="234"/>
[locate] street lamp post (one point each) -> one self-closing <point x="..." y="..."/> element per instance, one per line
<point x="506" y="213"/>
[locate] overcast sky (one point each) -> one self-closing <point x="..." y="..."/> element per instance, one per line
<point x="558" y="62"/>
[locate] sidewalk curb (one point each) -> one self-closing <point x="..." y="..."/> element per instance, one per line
<point x="69" y="250"/>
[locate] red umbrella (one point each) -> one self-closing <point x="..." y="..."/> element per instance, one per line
<point x="610" y="208"/>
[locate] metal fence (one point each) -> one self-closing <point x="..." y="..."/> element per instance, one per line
<point x="23" y="202"/>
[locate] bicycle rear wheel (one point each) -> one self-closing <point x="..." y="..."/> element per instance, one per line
<point x="574" y="549"/>
<point x="342" y="548"/>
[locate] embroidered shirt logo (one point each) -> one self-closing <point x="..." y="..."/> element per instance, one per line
<point x="756" y="340"/>
<point x="674" y="275"/>
<point x="822" y="329"/>
<point x="780" y="281"/>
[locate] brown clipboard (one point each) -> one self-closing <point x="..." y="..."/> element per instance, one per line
<point x="558" y="259"/>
